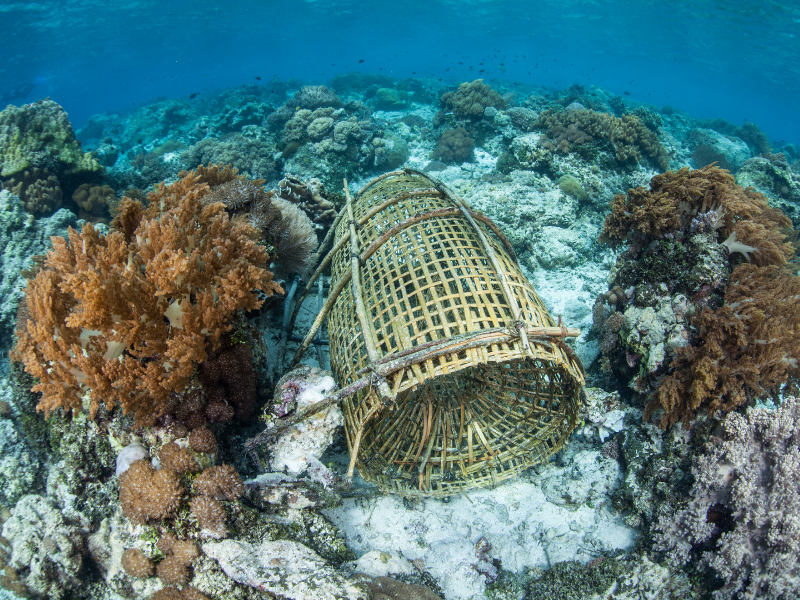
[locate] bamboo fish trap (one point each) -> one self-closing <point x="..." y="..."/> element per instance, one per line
<point x="452" y="373"/>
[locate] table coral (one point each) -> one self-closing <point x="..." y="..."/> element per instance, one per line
<point x="130" y="314"/>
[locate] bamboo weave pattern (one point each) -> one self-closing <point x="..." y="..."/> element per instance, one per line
<point x="479" y="396"/>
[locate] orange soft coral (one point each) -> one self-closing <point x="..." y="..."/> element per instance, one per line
<point x="129" y="315"/>
<point x="747" y="346"/>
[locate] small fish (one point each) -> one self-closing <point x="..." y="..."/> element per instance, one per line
<point x="193" y="96"/>
<point x="362" y="60"/>
<point x="627" y="93"/>
<point x="257" y="77"/>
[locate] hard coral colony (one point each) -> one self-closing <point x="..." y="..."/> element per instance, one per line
<point x="149" y="318"/>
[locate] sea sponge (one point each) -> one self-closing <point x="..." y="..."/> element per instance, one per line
<point x="180" y="460"/>
<point x="136" y="564"/>
<point x="221" y="481"/>
<point x="202" y="439"/>
<point x="471" y="98"/>
<point x="146" y="494"/>
<point x="39" y="190"/>
<point x="454" y="145"/>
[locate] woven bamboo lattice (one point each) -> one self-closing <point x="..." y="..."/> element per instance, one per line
<point x="452" y="372"/>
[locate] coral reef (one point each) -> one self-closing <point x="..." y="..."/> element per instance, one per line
<point x="471" y="99"/>
<point x="742" y="349"/>
<point x="159" y="289"/>
<point x="311" y="197"/>
<point x="46" y="550"/>
<point x="741" y="518"/>
<point x="678" y="302"/>
<point x="219" y="482"/>
<point x="136" y="564"/>
<point x="178" y="459"/>
<point x="201" y="439"/>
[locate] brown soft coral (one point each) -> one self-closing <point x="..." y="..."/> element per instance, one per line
<point x="129" y="315"/>
<point x="749" y="345"/>
<point x="146" y="494"/>
<point x="39" y="190"/>
<point x="471" y="99"/>
<point x="744" y="220"/>
<point x="219" y="482"/>
<point x="628" y="135"/>
<point x="178" y="459"/>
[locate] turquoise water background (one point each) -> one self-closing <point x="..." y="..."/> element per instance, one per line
<point x="738" y="60"/>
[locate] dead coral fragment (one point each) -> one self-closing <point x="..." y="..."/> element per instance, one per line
<point x="146" y="494"/>
<point x="129" y="315"/>
<point x="748" y="346"/>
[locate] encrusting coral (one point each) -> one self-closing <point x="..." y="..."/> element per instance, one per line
<point x="130" y="314"/>
<point x="742" y="515"/>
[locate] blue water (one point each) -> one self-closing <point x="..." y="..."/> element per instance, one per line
<point x="738" y="60"/>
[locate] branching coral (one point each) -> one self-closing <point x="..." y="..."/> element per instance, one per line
<point x="129" y="315"/>
<point x="471" y="99"/>
<point x="749" y="345"/>
<point x="744" y="510"/>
